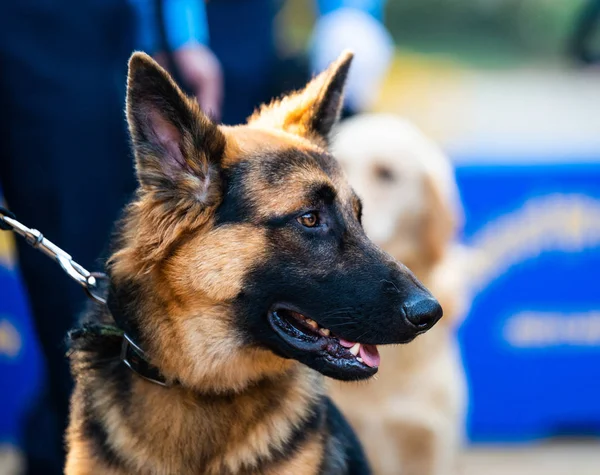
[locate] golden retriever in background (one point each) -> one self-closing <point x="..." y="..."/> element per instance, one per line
<point x="411" y="418"/>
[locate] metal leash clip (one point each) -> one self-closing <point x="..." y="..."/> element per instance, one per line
<point x="88" y="280"/>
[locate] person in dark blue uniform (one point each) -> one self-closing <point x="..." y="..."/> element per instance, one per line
<point x="64" y="167"/>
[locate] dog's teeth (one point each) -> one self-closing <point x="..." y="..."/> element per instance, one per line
<point x="312" y="323"/>
<point x="324" y="332"/>
<point x="355" y="349"/>
<point x="360" y="360"/>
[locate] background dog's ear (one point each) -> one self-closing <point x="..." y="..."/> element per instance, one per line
<point x="313" y="111"/>
<point x="441" y="221"/>
<point x="177" y="148"/>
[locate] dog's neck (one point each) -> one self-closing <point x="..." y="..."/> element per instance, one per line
<point x="219" y="433"/>
<point x="198" y="350"/>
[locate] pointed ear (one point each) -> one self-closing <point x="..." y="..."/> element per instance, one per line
<point x="177" y="148"/>
<point x="313" y="111"/>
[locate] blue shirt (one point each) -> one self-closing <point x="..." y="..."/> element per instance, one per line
<point x="372" y="7"/>
<point x="185" y="23"/>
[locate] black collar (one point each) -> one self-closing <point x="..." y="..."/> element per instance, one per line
<point x="135" y="359"/>
<point x="131" y="354"/>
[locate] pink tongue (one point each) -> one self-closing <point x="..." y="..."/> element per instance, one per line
<point x="370" y="355"/>
<point x="346" y="343"/>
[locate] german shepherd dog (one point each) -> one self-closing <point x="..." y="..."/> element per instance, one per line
<point x="242" y="273"/>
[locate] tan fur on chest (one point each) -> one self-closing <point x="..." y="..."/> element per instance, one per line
<point x="166" y="431"/>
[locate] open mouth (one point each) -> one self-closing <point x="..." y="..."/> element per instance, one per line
<point x="320" y="348"/>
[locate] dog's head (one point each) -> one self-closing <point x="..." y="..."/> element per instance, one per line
<point x="411" y="201"/>
<point x="244" y="249"/>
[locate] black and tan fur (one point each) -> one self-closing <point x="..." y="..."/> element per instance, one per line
<point x="210" y="244"/>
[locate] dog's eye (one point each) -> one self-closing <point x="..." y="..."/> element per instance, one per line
<point x="309" y="220"/>
<point x="384" y="173"/>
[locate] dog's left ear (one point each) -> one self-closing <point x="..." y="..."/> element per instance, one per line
<point x="313" y="111"/>
<point x="177" y="148"/>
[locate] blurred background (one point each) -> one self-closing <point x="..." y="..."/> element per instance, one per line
<point x="510" y="89"/>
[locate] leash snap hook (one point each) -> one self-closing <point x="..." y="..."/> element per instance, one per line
<point x="89" y="281"/>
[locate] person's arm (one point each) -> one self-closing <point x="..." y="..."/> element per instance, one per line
<point x="186" y="35"/>
<point x="356" y="25"/>
<point x="184" y="22"/>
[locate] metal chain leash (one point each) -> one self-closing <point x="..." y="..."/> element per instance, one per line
<point x="131" y="354"/>
<point x="90" y="281"/>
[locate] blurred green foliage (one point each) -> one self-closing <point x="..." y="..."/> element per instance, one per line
<point x="485" y="30"/>
<point x="490" y="32"/>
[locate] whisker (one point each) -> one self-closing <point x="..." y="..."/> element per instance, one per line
<point x="363" y="334"/>
<point x="342" y="324"/>
<point x="339" y="310"/>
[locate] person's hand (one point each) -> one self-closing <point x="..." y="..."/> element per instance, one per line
<point x="201" y="71"/>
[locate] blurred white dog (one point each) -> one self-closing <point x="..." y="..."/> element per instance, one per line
<point x="411" y="418"/>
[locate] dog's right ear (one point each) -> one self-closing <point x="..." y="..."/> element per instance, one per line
<point x="313" y="111"/>
<point x="177" y="148"/>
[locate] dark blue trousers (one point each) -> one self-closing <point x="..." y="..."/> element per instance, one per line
<point x="65" y="167"/>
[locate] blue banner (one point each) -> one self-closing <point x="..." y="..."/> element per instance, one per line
<point x="531" y="342"/>
<point x="20" y="359"/>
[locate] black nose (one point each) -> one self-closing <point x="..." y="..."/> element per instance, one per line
<point x="423" y="312"/>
